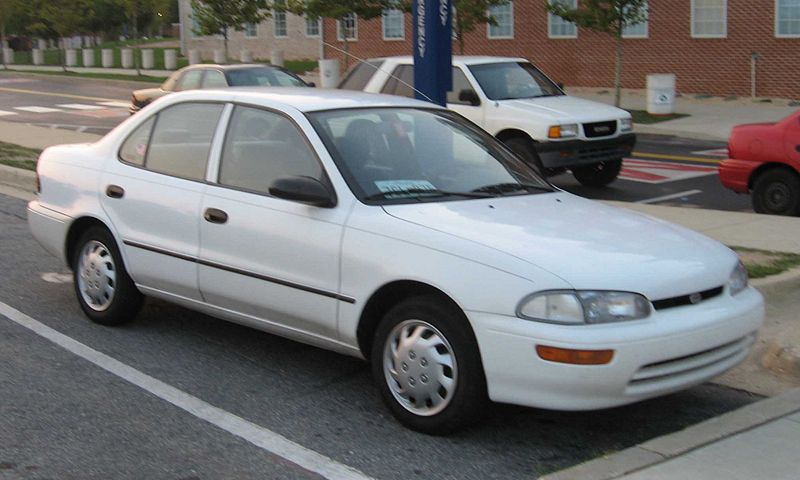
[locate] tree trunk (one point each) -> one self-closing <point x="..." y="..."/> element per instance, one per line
<point x="62" y="54"/>
<point x="346" y="45"/>
<point x="618" y="70"/>
<point x="225" y="41"/>
<point x="136" y="42"/>
<point x="3" y="42"/>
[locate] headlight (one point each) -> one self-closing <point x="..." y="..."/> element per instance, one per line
<point x="584" y="307"/>
<point x="625" y="125"/>
<point x="563" y="131"/>
<point x="738" y="280"/>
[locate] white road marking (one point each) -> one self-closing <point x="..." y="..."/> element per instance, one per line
<point x="670" y="197"/>
<point x="655" y="172"/>
<point x="79" y="106"/>
<point x="115" y="104"/>
<point x="38" y="109"/>
<point x="255" y="434"/>
<point x="53" y="277"/>
<point x="715" y="152"/>
<point x="3" y="113"/>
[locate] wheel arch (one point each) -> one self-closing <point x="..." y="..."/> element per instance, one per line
<point x="386" y="297"/>
<point x="75" y="231"/>
<point x="762" y="169"/>
<point x="508" y="133"/>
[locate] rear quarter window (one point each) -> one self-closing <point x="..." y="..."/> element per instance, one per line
<point x="359" y="76"/>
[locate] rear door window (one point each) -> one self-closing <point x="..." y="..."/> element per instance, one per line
<point x="190" y="80"/>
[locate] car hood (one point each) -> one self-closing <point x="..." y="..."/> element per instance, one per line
<point x="566" y="108"/>
<point x="588" y="244"/>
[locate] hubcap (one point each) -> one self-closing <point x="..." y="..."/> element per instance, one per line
<point x="96" y="275"/>
<point x="778" y="197"/>
<point x="419" y="367"/>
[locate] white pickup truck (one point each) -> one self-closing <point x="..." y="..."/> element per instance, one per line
<point x="514" y="101"/>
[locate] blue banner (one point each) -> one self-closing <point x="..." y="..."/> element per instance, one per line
<point x="433" y="49"/>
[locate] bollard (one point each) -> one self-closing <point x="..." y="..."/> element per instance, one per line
<point x="107" y="57"/>
<point x="148" y="60"/>
<point x="8" y="55"/>
<point x="219" y="57"/>
<point x="127" y="58"/>
<point x="246" y="56"/>
<point x="38" y="56"/>
<point x="170" y="59"/>
<point x="329" y="73"/>
<point x="276" y="57"/>
<point x="194" y="57"/>
<point x="88" y="57"/>
<point x="72" y="57"/>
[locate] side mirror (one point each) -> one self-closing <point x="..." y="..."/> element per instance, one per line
<point x="469" y="96"/>
<point x="303" y="189"/>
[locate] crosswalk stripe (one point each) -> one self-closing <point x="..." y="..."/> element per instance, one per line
<point x="3" y="113"/>
<point x="79" y="106"/>
<point x="38" y="109"/>
<point x="115" y="104"/>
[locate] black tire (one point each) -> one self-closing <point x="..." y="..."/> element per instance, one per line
<point x="523" y="148"/>
<point x="777" y="192"/>
<point x="105" y="292"/>
<point x="598" y="174"/>
<point x="459" y="406"/>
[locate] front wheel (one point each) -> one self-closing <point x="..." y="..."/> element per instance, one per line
<point x="777" y="192"/>
<point x="105" y="292"/>
<point x="523" y="148"/>
<point x="598" y="174"/>
<point x="426" y="364"/>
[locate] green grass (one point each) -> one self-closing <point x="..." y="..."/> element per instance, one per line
<point x="101" y="76"/>
<point x="16" y="156"/>
<point x="126" y="43"/>
<point x="763" y="263"/>
<point x="300" y="66"/>
<point x="641" y="116"/>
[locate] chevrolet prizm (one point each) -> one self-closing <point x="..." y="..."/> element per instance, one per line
<point x="397" y="231"/>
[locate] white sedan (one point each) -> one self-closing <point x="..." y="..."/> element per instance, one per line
<point x="393" y="230"/>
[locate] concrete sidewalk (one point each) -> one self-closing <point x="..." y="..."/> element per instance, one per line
<point x="112" y="71"/>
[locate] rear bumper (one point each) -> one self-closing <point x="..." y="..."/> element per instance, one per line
<point x="571" y="153"/>
<point x="735" y="174"/>
<point x="49" y="228"/>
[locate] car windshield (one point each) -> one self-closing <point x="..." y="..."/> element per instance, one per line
<point x="512" y="80"/>
<point x="403" y="155"/>
<point x="265" y="76"/>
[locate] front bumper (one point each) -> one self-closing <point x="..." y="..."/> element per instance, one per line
<point x="671" y="350"/>
<point x="735" y="174"/>
<point x="572" y="153"/>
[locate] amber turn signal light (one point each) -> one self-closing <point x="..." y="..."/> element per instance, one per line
<point x="554" y="132"/>
<point x="574" y="357"/>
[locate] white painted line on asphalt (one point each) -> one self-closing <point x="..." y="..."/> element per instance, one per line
<point x="715" y="152"/>
<point x="79" y="106"/>
<point x="670" y="197"/>
<point x="255" y="434"/>
<point x="38" y="109"/>
<point x="115" y="104"/>
<point x="3" y="113"/>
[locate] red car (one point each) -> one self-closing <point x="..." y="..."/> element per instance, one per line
<point x="764" y="159"/>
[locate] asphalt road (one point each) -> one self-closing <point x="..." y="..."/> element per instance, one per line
<point x="62" y="416"/>
<point x="664" y="170"/>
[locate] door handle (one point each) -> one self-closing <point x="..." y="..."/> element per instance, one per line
<point x="215" y="215"/>
<point x="115" y="191"/>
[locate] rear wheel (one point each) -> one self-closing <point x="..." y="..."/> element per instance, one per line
<point x="105" y="292"/>
<point x="777" y="192"/>
<point x="598" y="174"/>
<point x="426" y="364"/>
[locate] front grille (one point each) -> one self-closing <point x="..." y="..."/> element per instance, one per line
<point x="600" y="129"/>
<point x="690" y="368"/>
<point x="686" y="299"/>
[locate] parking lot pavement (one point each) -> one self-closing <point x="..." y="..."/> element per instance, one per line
<point x="66" y="417"/>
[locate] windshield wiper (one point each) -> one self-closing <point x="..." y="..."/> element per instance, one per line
<point x="511" y="187"/>
<point x="424" y="192"/>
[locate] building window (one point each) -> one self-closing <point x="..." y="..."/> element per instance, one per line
<point x="709" y="18"/>
<point x="787" y="18"/>
<point x="504" y="16"/>
<point x="393" y="24"/>
<point x="557" y="27"/>
<point x="279" y="19"/>
<point x="348" y="25"/>
<point x="637" y="30"/>
<point x="312" y="27"/>
<point x="250" y="30"/>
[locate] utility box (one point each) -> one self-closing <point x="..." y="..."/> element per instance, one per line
<point x="329" y="73"/>
<point x="661" y="94"/>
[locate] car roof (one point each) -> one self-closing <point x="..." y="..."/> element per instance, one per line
<point x="304" y="99"/>
<point x="238" y="66"/>
<point x="458" y="59"/>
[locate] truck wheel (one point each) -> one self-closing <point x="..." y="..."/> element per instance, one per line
<point x="777" y="192"/>
<point x="523" y="148"/>
<point x="598" y="174"/>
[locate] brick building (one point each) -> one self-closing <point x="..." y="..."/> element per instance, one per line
<point x="708" y="44"/>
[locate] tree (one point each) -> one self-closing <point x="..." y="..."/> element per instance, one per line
<point x="471" y="13"/>
<point x="608" y="16"/>
<point x="217" y="17"/>
<point x="57" y="19"/>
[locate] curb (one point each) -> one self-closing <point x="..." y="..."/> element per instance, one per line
<point x="655" y="130"/>
<point x="18" y="178"/>
<point x="667" y="447"/>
